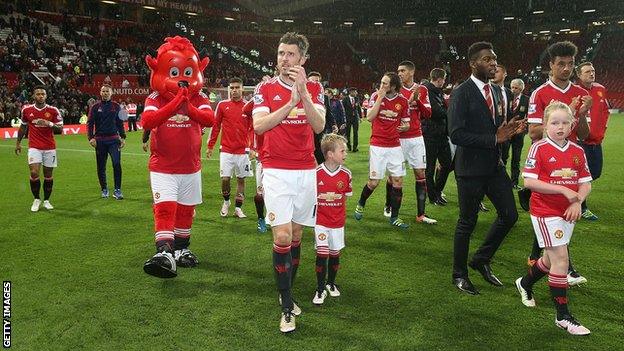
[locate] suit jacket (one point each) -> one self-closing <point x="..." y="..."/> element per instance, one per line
<point x="436" y="125"/>
<point x="523" y="107"/>
<point x="510" y="97"/>
<point x="330" y="122"/>
<point x="472" y="128"/>
<point x="352" y="113"/>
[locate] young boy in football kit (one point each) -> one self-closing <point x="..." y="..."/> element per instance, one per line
<point x="556" y="171"/>
<point x="333" y="183"/>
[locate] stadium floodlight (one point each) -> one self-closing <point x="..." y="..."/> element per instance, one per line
<point x="565" y="30"/>
<point x="109" y="2"/>
<point x="289" y="21"/>
<point x="509" y="18"/>
<point x="477" y="20"/>
<point x="621" y="22"/>
<point x="348" y="23"/>
<point x="317" y="22"/>
<point x="278" y="20"/>
<point x="576" y="31"/>
<point x="228" y="18"/>
<point x="191" y="13"/>
<point x="443" y="22"/>
<point x="589" y="10"/>
<point x="410" y="23"/>
<point x="544" y="31"/>
<point x="538" y="12"/>
<point x="149" y="7"/>
<point x="528" y="33"/>
<point x="378" y="23"/>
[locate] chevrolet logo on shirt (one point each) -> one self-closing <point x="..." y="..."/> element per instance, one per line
<point x="330" y="196"/>
<point x="179" y="118"/>
<point x="565" y="173"/>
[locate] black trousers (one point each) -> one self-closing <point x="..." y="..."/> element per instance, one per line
<point x="516" y="143"/>
<point x="470" y="191"/>
<point x="438" y="150"/>
<point x="352" y="125"/>
<point x="103" y="148"/>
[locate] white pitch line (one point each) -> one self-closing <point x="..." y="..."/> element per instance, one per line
<point x="146" y="154"/>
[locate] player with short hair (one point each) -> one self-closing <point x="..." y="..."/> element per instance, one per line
<point x="333" y="182"/>
<point x="288" y="110"/>
<point x="412" y="141"/>
<point x="41" y="121"/>
<point x="106" y="134"/>
<point x="598" y="127"/>
<point x="556" y="171"/>
<point x="389" y="116"/>
<point x="560" y="88"/>
<point x="234" y="154"/>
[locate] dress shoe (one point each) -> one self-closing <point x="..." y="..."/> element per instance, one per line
<point x="465" y="285"/>
<point x="438" y="202"/>
<point x="486" y="272"/>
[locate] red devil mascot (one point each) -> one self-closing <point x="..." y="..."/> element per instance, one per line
<point x="175" y="113"/>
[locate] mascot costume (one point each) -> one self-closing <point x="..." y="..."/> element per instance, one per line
<point x="175" y="113"/>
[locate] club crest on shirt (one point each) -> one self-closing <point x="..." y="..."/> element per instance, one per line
<point x="576" y="160"/>
<point x="565" y="173"/>
<point x="398" y="107"/>
<point x="340" y="185"/>
<point x="558" y="233"/>
<point x="600" y="94"/>
<point x="156" y="196"/>
<point x="271" y="216"/>
<point x="322" y="236"/>
<point x="47" y="115"/>
<point x="178" y="118"/>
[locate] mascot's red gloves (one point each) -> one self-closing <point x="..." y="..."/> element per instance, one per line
<point x="204" y="117"/>
<point x="152" y="119"/>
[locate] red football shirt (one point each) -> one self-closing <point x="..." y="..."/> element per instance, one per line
<point x="39" y="137"/>
<point x="553" y="164"/>
<point x="420" y="108"/>
<point x="235" y="133"/>
<point x="176" y="144"/>
<point x="391" y="113"/>
<point x="548" y="92"/>
<point x="599" y="114"/>
<point x="290" y="144"/>
<point x="332" y="191"/>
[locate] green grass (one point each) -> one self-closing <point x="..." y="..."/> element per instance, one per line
<point x="78" y="281"/>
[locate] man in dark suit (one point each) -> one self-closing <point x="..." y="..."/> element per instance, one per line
<point x="330" y="123"/>
<point x="436" y="138"/>
<point x="519" y="107"/>
<point x="477" y="127"/>
<point x="353" y="111"/>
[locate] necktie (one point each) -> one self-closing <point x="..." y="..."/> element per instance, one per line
<point x="514" y="106"/>
<point x="488" y="99"/>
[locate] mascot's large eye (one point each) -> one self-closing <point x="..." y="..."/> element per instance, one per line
<point x="188" y="71"/>
<point x="174" y="72"/>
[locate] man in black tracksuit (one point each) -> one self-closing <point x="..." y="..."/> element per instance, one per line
<point x="107" y="136"/>
<point x="436" y="139"/>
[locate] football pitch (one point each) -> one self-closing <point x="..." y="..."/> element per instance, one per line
<point x="78" y="284"/>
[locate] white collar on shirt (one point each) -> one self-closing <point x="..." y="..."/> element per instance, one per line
<point x="480" y="85"/>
